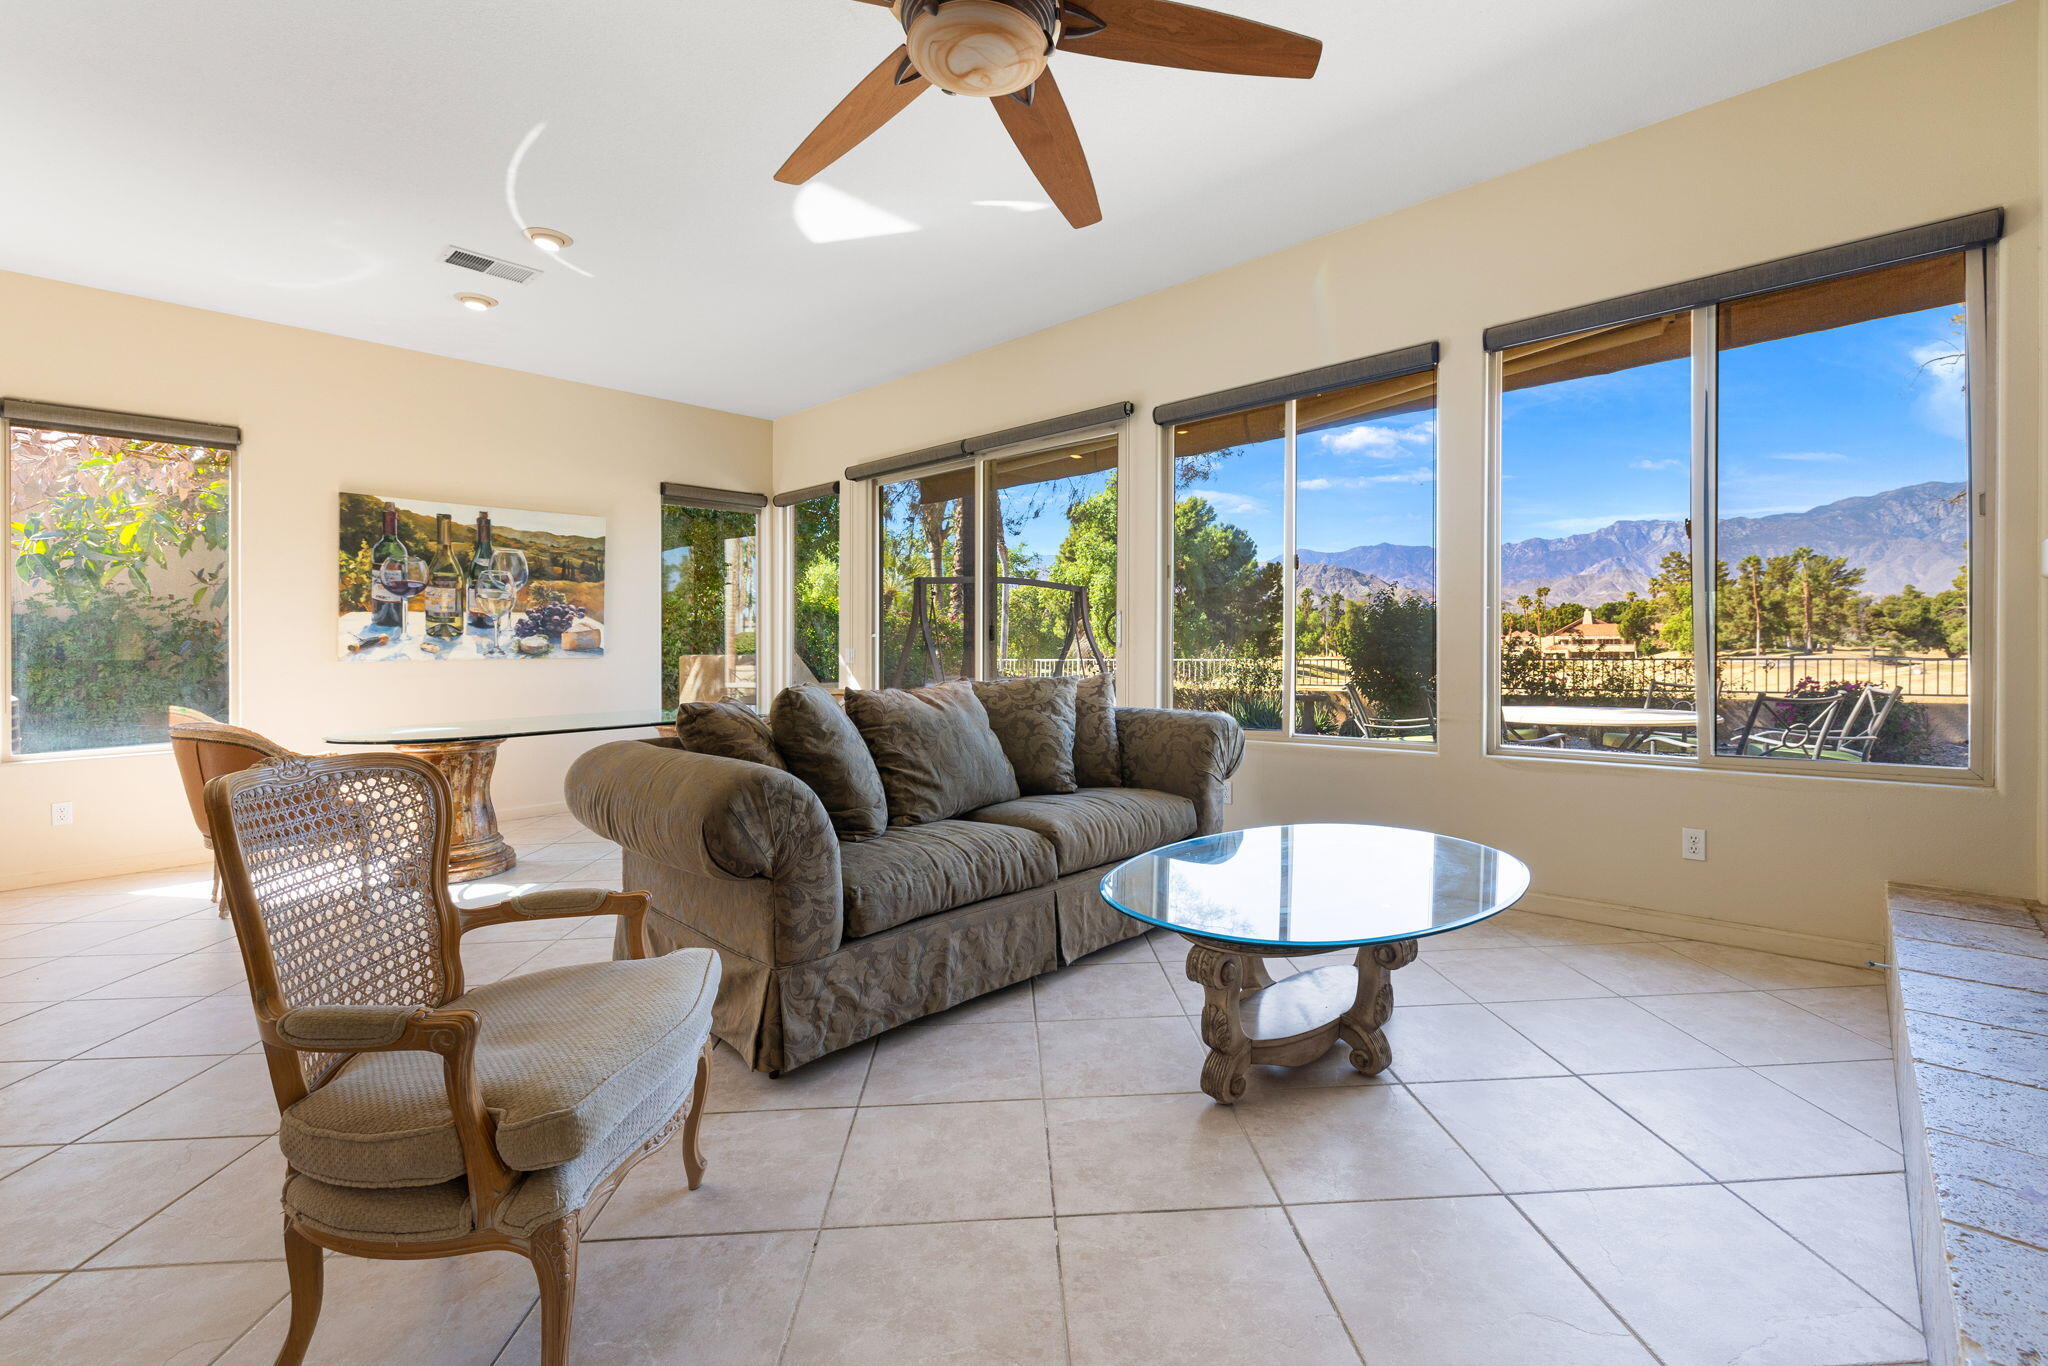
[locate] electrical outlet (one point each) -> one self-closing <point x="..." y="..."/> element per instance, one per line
<point x="60" y="813"/>
<point x="1693" y="844"/>
<point x="1226" y="794"/>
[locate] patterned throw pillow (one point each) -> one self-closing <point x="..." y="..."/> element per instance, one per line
<point x="820" y="745"/>
<point x="934" y="749"/>
<point x="1098" y="756"/>
<point x="727" y="729"/>
<point x="1034" y="720"/>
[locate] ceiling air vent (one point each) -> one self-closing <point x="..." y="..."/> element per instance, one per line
<point x="489" y="265"/>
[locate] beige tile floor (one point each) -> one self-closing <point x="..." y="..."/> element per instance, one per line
<point x="1595" y="1147"/>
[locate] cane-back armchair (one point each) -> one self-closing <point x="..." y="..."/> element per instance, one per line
<point x="207" y="749"/>
<point x="420" y="1119"/>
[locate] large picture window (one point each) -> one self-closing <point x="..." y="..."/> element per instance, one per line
<point x="710" y="602"/>
<point x="1304" y="562"/>
<point x="1741" y="532"/>
<point x="117" y="586"/>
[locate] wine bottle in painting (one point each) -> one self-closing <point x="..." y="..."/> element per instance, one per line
<point x="479" y="619"/>
<point x="387" y="560"/>
<point x="446" y="583"/>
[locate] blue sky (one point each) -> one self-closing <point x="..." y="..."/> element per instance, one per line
<point x="1804" y="421"/>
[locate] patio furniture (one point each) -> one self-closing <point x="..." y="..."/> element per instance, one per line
<point x="1864" y="725"/>
<point x="418" y="1119"/>
<point x="1283" y="891"/>
<point x="1795" y="723"/>
<point x="1636" y="724"/>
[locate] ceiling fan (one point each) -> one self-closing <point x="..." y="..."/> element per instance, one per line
<point x="999" y="49"/>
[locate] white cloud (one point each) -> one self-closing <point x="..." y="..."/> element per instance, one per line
<point x="1380" y="443"/>
<point x="1810" y="456"/>
<point x="1656" y="464"/>
<point x="1940" y="402"/>
<point x="1421" y="475"/>
<point x="1231" y="504"/>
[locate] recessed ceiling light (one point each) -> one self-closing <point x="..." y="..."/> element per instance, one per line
<point x="476" y="302"/>
<point x="548" y="239"/>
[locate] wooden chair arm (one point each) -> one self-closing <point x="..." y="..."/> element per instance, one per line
<point x="452" y="1034"/>
<point x="562" y="903"/>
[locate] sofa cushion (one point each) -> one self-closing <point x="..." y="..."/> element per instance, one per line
<point x="821" y="745"/>
<point x="1098" y="756"/>
<point x="1033" y="719"/>
<point x="729" y="730"/>
<point x="564" y="1057"/>
<point x="934" y="750"/>
<point x="919" y="870"/>
<point x="1098" y="825"/>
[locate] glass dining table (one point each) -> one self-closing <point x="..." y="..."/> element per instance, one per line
<point x="466" y="753"/>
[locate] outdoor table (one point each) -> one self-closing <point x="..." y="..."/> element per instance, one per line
<point x="1637" y="723"/>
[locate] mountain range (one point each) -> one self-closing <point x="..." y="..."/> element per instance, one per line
<point x="1914" y="534"/>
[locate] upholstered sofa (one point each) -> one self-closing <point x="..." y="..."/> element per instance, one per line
<point x="827" y="939"/>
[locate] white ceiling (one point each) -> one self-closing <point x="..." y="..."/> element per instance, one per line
<point x="307" y="164"/>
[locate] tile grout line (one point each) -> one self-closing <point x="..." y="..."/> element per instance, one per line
<point x="1584" y="1279"/>
<point x="818" y="1233"/>
<point x="1822" y="1257"/>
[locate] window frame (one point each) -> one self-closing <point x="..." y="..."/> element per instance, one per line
<point x="766" y="626"/>
<point x="1704" y="508"/>
<point x="1287" y="734"/>
<point x="982" y="463"/>
<point x="8" y="756"/>
<point x="785" y="588"/>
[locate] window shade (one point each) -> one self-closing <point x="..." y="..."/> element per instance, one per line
<point x="896" y="466"/>
<point x="1889" y="249"/>
<point x="727" y="500"/>
<point x="795" y="496"/>
<point x="129" y="426"/>
<point x="1302" y="384"/>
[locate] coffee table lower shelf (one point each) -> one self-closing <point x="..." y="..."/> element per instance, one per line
<point x="1249" y="1018"/>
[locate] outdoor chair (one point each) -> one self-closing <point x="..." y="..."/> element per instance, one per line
<point x="1864" y="725"/>
<point x="421" y="1120"/>
<point x="1788" y="723"/>
<point x="206" y="749"/>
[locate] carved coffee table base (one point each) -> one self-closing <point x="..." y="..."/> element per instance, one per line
<point x="475" y="847"/>
<point x="1294" y="1021"/>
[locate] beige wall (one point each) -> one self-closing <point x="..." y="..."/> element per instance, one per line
<point x="321" y="414"/>
<point x="1940" y="124"/>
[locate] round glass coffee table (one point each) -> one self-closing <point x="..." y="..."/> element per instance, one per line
<point x="1279" y="891"/>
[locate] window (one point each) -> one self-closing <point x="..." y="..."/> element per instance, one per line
<point x="1038" y="564"/>
<point x="710" y="596"/>
<point x="927" y="578"/>
<point x="814" y="606"/>
<point x="1304" y="562"/>
<point x="118" y="587"/>
<point x="1740" y="533"/>
<point x="1052" y="521"/>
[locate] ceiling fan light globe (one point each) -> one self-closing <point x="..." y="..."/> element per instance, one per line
<point x="977" y="47"/>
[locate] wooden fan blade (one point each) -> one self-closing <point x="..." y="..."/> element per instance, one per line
<point x="1044" y="133"/>
<point x="1166" y="33"/>
<point x="872" y="103"/>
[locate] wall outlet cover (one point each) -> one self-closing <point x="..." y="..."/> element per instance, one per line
<point x="60" y="813"/>
<point x="1693" y="844"/>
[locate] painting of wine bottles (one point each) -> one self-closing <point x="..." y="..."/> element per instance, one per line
<point x="430" y="581"/>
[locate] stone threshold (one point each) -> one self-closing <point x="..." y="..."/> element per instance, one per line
<point x="1969" y="1012"/>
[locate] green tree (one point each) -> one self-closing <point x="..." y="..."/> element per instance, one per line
<point x="1637" y="622"/>
<point x="1087" y="557"/>
<point x="1225" y="601"/>
<point x="1671" y="601"/>
<point x="1390" y="647"/>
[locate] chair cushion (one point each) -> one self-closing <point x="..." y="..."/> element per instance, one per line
<point x="1098" y="825"/>
<point x="1033" y="719"/>
<point x="1098" y="754"/>
<point x="823" y="747"/>
<point x="934" y="749"/>
<point x="729" y="730"/>
<point x="919" y="870"/>
<point x="564" y="1057"/>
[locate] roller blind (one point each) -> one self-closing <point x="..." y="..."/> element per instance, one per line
<point x="1889" y="249"/>
<point x="795" y="496"/>
<point x="1302" y="384"/>
<point x="129" y="426"/>
<point x="726" y="500"/>
<point x="911" y="462"/>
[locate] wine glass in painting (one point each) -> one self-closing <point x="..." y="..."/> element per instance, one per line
<point x="404" y="577"/>
<point x="512" y="564"/>
<point x="495" y="594"/>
